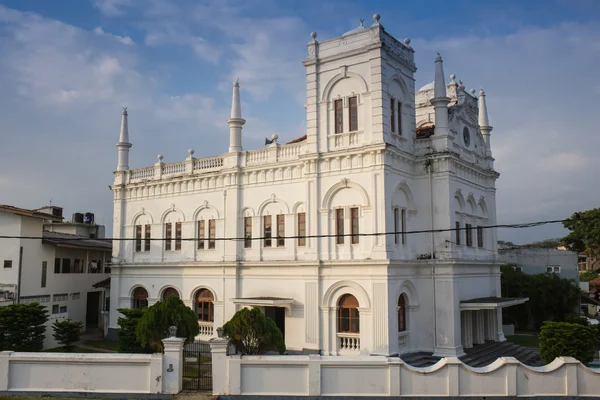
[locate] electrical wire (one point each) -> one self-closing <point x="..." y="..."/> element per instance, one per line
<point x="333" y="235"/>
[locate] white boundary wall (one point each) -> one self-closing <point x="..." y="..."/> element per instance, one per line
<point x="94" y="373"/>
<point x="316" y="375"/>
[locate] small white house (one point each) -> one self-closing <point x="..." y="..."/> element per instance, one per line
<point x="54" y="269"/>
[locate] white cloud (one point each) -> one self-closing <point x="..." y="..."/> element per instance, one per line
<point x="123" y="39"/>
<point x="171" y="34"/>
<point x="112" y="7"/>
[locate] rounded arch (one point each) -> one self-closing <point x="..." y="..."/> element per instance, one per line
<point x="171" y="209"/>
<point x="338" y="289"/>
<point x="345" y="183"/>
<point x="460" y="200"/>
<point x="141" y="213"/>
<point x="341" y="76"/>
<point x="273" y="199"/>
<point x="203" y="207"/>
<point x="397" y="78"/>
<point x="137" y="286"/>
<point x="472" y="204"/>
<point x="298" y="207"/>
<point x="200" y="287"/>
<point x="164" y="288"/>
<point x="483" y="207"/>
<point x="247" y="212"/>
<point x="408" y="288"/>
<point x="403" y="187"/>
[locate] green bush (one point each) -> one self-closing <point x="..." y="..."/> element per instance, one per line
<point x="576" y="319"/>
<point x="565" y="339"/>
<point x="588" y="276"/>
<point x="128" y="323"/>
<point x="67" y="332"/>
<point x="22" y="327"/>
<point x="252" y="333"/>
<point x="154" y="325"/>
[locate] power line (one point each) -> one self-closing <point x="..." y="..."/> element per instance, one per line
<point x="333" y="235"/>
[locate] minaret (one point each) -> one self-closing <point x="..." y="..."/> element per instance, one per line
<point x="235" y="121"/>
<point x="440" y="100"/>
<point x="123" y="145"/>
<point x="484" y="123"/>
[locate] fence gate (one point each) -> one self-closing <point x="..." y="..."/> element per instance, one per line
<point x="197" y="367"/>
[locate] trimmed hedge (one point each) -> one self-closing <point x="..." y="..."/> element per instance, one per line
<point x="22" y="327"/>
<point x="566" y="339"/>
<point x="128" y="342"/>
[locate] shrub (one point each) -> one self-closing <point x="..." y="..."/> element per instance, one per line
<point x="566" y="339"/>
<point x="22" y="327"/>
<point x="588" y="276"/>
<point x="67" y="332"/>
<point x="576" y="319"/>
<point x="253" y="333"/>
<point x="154" y="324"/>
<point x="128" y="342"/>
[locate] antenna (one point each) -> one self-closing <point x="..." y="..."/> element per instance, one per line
<point x="50" y="200"/>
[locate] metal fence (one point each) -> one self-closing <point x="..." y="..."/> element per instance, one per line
<point x="197" y="367"/>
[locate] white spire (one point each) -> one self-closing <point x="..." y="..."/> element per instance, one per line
<point x="440" y="100"/>
<point x="440" y="82"/>
<point x="123" y="145"/>
<point x="235" y="121"/>
<point x="484" y="122"/>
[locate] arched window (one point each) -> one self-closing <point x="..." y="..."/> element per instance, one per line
<point x="348" y="318"/>
<point x="140" y="298"/>
<point x="170" y="291"/>
<point x="205" y="308"/>
<point x="402" y="313"/>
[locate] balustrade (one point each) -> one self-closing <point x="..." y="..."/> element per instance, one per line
<point x="402" y="340"/>
<point x="349" y="342"/>
<point x="142" y="173"/>
<point x="170" y="169"/>
<point x="208" y="163"/>
<point x="206" y="328"/>
<point x="257" y="156"/>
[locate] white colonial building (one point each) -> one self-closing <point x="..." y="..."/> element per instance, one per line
<point x="333" y="230"/>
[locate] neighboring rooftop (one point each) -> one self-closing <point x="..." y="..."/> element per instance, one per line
<point x="66" y="240"/>
<point x="28" y="213"/>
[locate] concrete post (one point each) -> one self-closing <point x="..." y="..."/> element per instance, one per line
<point x="218" y="349"/>
<point x="4" y="369"/>
<point x="172" y="370"/>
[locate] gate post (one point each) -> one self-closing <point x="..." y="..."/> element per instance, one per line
<point x="220" y="376"/>
<point x="172" y="370"/>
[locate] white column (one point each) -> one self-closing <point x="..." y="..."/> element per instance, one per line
<point x="490" y="322"/>
<point x="479" y="326"/>
<point x="218" y="349"/>
<point x="172" y="370"/>
<point x="500" y="337"/>
<point x="468" y="332"/>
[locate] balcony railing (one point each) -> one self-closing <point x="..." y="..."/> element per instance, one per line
<point x="348" y="342"/>
<point x="206" y="328"/>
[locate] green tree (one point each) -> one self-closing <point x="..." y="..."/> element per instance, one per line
<point x="565" y="339"/>
<point x="588" y="276"/>
<point x="544" y="303"/>
<point x="156" y="321"/>
<point x="67" y="333"/>
<point x="252" y="333"/>
<point x="128" y="323"/>
<point x="584" y="235"/>
<point x="22" y="327"/>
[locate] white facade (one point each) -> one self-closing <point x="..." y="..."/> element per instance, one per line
<point x="366" y="174"/>
<point x="532" y="260"/>
<point x="33" y="275"/>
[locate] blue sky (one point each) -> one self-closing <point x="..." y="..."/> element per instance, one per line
<point x="69" y="65"/>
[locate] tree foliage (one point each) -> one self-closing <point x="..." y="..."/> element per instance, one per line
<point x="154" y="325"/>
<point x="588" y="276"/>
<point x="584" y="235"/>
<point x="67" y="332"/>
<point x="550" y="297"/>
<point x="22" y="327"/>
<point x="565" y="339"/>
<point x="545" y="244"/>
<point x="252" y="333"/>
<point x="128" y="323"/>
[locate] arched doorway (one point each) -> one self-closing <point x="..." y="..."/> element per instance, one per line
<point x="348" y="324"/>
<point x="139" y="298"/>
<point x="170" y="291"/>
<point x="205" y="310"/>
<point x="402" y="323"/>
